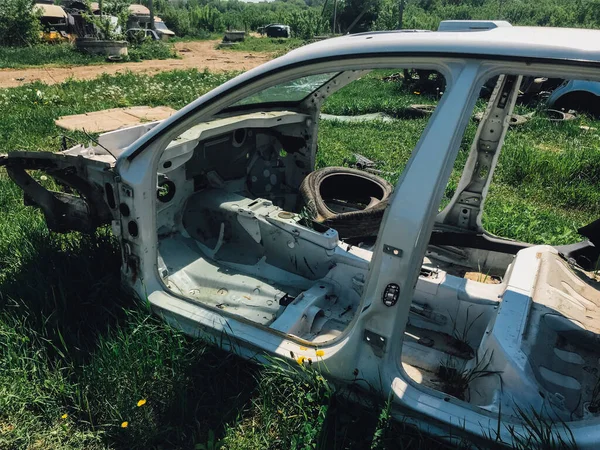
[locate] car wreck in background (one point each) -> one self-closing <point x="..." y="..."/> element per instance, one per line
<point x="139" y="18"/>
<point x="230" y="233"/>
<point x="275" y="30"/>
<point x="71" y="20"/>
<point x="580" y="95"/>
<point x="56" y="23"/>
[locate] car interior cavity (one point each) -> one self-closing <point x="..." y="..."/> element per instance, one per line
<point x="235" y="234"/>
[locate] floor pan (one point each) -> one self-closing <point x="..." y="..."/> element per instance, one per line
<point x="198" y="278"/>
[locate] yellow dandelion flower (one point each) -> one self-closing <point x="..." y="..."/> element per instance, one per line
<point x="142" y="402"/>
<point x="64" y="416"/>
<point x="300" y="359"/>
<point x="125" y="424"/>
<point x="320" y="352"/>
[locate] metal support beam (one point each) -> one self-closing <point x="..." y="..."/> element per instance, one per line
<point x="466" y="207"/>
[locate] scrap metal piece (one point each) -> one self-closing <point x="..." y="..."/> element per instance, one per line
<point x="362" y="162"/>
<point x="63" y="211"/>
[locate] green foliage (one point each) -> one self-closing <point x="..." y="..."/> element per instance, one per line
<point x="288" y="410"/>
<point x="196" y="18"/>
<point x="178" y="20"/>
<point x="279" y="46"/>
<point x="19" y="24"/>
<point x="307" y="23"/>
<point x="545" y="185"/>
<point x="358" y="14"/>
<point x="387" y="19"/>
<point x="207" y="18"/>
<point x="108" y="8"/>
<point x="66" y="55"/>
<point x="150" y="49"/>
<point x="44" y="54"/>
<point x="541" y="433"/>
<point x="310" y="18"/>
<point x="426" y="14"/>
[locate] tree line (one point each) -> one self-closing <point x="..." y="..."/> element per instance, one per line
<point x="309" y="18"/>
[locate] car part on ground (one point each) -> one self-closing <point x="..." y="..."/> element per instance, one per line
<point x="162" y="30"/>
<point x="421" y="109"/>
<point x="580" y="95"/>
<point x="113" y="119"/>
<point x="554" y="115"/>
<point x="88" y="195"/>
<point x="348" y="200"/>
<point x="54" y="23"/>
<point x="234" y="36"/>
<point x="359" y="118"/>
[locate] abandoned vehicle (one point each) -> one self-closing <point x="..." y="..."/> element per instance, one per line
<point x="229" y="233"/>
<point x="54" y="22"/>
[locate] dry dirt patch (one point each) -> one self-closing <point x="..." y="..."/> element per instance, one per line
<point x="196" y="54"/>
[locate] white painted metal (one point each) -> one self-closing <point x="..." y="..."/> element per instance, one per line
<point x="375" y="338"/>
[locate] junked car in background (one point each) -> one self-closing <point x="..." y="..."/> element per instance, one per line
<point x="275" y="30"/>
<point x="229" y="233"/>
<point x="54" y="21"/>
<point x="582" y="95"/>
<point x="162" y="30"/>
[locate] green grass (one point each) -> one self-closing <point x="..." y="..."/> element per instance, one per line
<point x="59" y="55"/>
<point x="77" y="352"/>
<point x="73" y="342"/>
<point x="27" y="122"/>
<point x="265" y="44"/>
<point x="547" y="182"/>
<point x="371" y="94"/>
<point x="151" y="50"/>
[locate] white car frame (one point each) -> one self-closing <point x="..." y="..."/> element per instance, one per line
<point x="121" y="176"/>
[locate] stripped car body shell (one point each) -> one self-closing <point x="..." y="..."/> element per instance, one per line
<point x="373" y="341"/>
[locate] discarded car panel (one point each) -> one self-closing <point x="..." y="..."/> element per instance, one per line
<point x="230" y="233"/>
<point x="86" y="199"/>
<point x="577" y="94"/>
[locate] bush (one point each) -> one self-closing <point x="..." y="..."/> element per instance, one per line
<point x="307" y="24"/>
<point x="43" y="54"/>
<point x="178" y="20"/>
<point x="151" y="50"/>
<point x="19" y="24"/>
<point x="207" y="18"/>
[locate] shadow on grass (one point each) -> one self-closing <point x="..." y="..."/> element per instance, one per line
<point x="75" y="342"/>
<point x="130" y="381"/>
<point x="67" y="288"/>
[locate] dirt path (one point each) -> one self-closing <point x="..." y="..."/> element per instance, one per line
<point x="198" y="54"/>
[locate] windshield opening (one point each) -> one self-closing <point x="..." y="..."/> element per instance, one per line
<point x="289" y="92"/>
